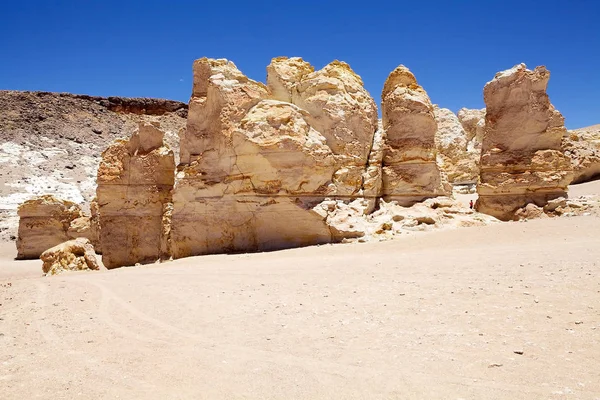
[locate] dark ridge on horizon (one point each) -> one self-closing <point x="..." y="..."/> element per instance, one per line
<point x="132" y="105"/>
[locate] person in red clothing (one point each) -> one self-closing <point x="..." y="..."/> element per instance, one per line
<point x="471" y="204"/>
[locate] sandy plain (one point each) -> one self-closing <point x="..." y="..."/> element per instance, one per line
<point x="506" y="311"/>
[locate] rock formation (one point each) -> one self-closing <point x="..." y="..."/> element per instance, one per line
<point x="73" y="255"/>
<point x="44" y="222"/>
<point x="410" y="172"/>
<point x="52" y="143"/>
<point x="256" y="160"/>
<point x="457" y="157"/>
<point x="81" y="228"/>
<point x="473" y="122"/>
<point x="95" y="226"/>
<point x="582" y="146"/>
<point x="522" y="160"/>
<point x="338" y="107"/>
<point x="135" y="179"/>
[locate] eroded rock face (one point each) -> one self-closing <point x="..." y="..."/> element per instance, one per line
<point x="81" y="228"/>
<point x="338" y="107"/>
<point x="473" y="122"/>
<point x="135" y="179"/>
<point x="95" y="225"/>
<point x="582" y="146"/>
<point x="410" y="172"/>
<point x="73" y="255"/>
<point x="257" y="160"/>
<point x="456" y="155"/>
<point x="44" y="222"/>
<point x="522" y="158"/>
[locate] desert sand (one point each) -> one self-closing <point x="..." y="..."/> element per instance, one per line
<point x="506" y="311"/>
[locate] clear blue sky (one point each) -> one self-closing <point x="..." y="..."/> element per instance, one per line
<point x="146" y="48"/>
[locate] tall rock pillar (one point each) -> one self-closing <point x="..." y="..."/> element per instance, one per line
<point x="410" y="172"/>
<point x="522" y="160"/>
<point x="135" y="179"/>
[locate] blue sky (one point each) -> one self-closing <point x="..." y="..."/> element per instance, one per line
<point x="146" y="48"/>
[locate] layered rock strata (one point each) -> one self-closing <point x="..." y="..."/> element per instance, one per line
<point x="135" y="178"/>
<point x="410" y="173"/>
<point x="522" y="159"/>
<point x="256" y="160"/>
<point x="73" y="255"/>
<point x="44" y="222"/>
<point x="457" y="156"/>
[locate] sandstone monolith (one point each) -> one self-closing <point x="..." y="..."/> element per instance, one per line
<point x="410" y="172"/>
<point x="135" y="178"/>
<point x="522" y="159"/>
<point x="256" y="160"/>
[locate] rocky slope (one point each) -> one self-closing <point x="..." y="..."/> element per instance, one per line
<point x="51" y="143"/>
<point x="582" y="146"/>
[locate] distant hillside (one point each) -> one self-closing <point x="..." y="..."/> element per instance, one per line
<point x="589" y="128"/>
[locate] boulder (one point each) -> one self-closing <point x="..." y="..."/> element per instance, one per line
<point x="73" y="255"/>
<point x="522" y="158"/>
<point x="410" y="173"/>
<point x="44" y="222"/>
<point x="81" y="228"/>
<point x="135" y="178"/>
<point x="530" y="211"/>
<point x="457" y="158"/>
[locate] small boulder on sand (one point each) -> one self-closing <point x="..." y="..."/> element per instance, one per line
<point x="73" y="255"/>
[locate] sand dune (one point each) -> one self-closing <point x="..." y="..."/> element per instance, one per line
<point x="435" y="315"/>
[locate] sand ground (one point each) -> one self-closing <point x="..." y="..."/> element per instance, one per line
<point x="508" y="311"/>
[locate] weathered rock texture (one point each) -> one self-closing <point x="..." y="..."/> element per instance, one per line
<point x="81" y="228"/>
<point x="256" y="159"/>
<point x="582" y="146"/>
<point x="473" y="122"/>
<point x="135" y="179"/>
<point x="95" y="225"/>
<point x="51" y="143"/>
<point x="74" y="255"/>
<point x="44" y="222"/>
<point x="522" y="159"/>
<point x="457" y="155"/>
<point x="410" y="172"/>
